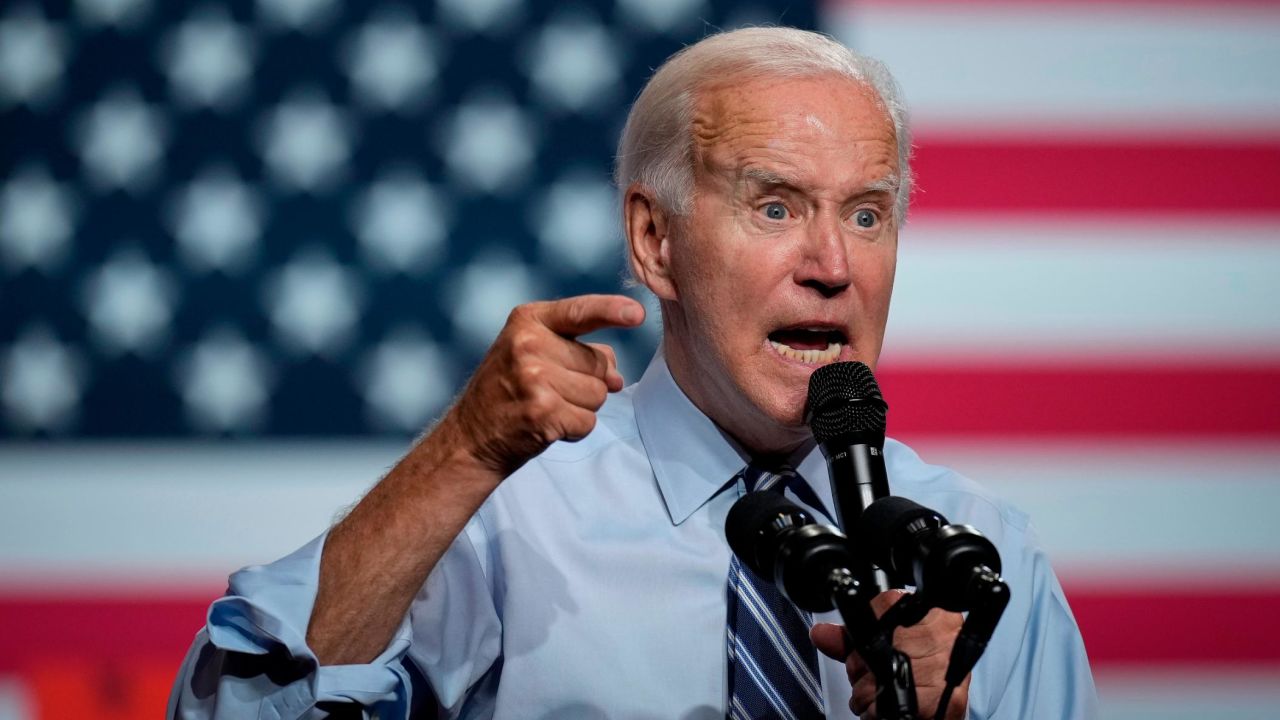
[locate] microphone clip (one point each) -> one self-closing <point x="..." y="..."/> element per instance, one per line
<point x="873" y="641"/>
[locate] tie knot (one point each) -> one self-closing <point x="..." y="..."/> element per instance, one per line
<point x="759" y="477"/>
<point x="779" y="477"/>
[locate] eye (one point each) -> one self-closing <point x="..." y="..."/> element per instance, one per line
<point x="776" y="211"/>
<point x="865" y="218"/>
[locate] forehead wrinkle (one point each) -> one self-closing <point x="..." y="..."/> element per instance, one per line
<point x="727" y="135"/>
<point x="765" y="176"/>
<point x="727" y="122"/>
<point x="736" y="141"/>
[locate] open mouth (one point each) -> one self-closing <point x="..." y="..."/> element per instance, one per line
<point x="809" y="345"/>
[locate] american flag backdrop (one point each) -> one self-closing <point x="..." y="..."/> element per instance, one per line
<point x="249" y="249"/>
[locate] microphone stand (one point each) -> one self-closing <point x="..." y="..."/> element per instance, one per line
<point x="895" y="683"/>
<point x="811" y="565"/>
<point x="989" y="595"/>
<point x="873" y="639"/>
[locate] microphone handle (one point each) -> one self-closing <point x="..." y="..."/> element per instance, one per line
<point x="858" y="478"/>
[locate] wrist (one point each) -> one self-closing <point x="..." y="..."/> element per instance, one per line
<point x="453" y="454"/>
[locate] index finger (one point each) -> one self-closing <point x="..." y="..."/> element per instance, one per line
<point x="583" y="314"/>
<point x="887" y="599"/>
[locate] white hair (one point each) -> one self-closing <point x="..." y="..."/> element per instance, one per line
<point x="656" y="147"/>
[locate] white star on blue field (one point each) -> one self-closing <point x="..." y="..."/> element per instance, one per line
<point x="286" y="218"/>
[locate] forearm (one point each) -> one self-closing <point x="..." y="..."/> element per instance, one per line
<point x="536" y="385"/>
<point x="377" y="558"/>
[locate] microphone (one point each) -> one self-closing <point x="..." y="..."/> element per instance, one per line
<point x="954" y="566"/>
<point x="810" y="564"/>
<point x="846" y="414"/>
<point x="916" y="546"/>
<point x="780" y="542"/>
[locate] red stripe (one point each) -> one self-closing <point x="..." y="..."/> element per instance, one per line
<point x="1120" y="625"/>
<point x="1074" y="401"/>
<point x="1189" y="177"/>
<point x="1155" y="626"/>
<point x="42" y="631"/>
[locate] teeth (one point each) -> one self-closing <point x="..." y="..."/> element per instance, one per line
<point x="812" y="357"/>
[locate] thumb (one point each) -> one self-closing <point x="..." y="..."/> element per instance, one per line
<point x="830" y="640"/>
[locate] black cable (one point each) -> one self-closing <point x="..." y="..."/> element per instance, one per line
<point x="943" y="702"/>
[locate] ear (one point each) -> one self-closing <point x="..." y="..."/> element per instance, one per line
<point x="649" y="240"/>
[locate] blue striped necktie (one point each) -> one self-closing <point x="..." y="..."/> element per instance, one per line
<point x="773" y="667"/>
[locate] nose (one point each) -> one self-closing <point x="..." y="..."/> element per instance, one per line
<point x="824" y="259"/>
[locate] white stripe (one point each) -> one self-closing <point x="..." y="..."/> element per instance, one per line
<point x="16" y="701"/>
<point x="1239" y="693"/>
<point x="177" y="512"/>
<point x="1090" y="66"/>
<point x="750" y="599"/>
<point x="1074" y="287"/>
<point x="89" y="512"/>
<point x="1202" y="514"/>
<point x="766" y="481"/>
<point x="761" y="681"/>
<point x="786" y="650"/>
<point x="766" y="620"/>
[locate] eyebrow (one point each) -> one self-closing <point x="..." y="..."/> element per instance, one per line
<point x="888" y="184"/>
<point x="768" y="177"/>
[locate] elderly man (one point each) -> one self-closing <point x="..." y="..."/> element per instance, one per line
<point x="554" y="547"/>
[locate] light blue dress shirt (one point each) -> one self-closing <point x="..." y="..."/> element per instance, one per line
<point x="591" y="584"/>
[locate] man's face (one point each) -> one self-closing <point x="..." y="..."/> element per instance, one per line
<point x="786" y="261"/>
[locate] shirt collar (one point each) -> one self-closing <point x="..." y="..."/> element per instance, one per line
<point x="692" y="458"/>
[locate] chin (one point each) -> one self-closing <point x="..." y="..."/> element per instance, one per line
<point x="792" y="417"/>
<point x="785" y="407"/>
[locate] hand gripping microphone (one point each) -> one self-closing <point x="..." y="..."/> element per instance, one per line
<point x="847" y="416"/>
<point x="954" y="567"/>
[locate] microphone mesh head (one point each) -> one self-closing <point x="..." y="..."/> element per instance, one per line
<point x="844" y="398"/>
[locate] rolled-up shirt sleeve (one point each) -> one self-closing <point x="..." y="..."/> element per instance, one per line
<point x="251" y="659"/>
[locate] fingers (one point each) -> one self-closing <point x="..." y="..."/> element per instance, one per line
<point x="577" y="316"/>
<point x="958" y="708"/>
<point x="830" y="640"/>
<point x="578" y="389"/>
<point x="863" y="701"/>
<point x="928" y="644"/>
<point x="933" y="635"/>
<point x="576" y="423"/>
<point x="885" y="600"/>
<point x="580" y="315"/>
<point x="538" y="383"/>
<point x="594" y="359"/>
<point x="534" y="348"/>
<point x="612" y="377"/>
<point x="856" y="667"/>
<point x="925" y="670"/>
